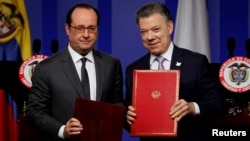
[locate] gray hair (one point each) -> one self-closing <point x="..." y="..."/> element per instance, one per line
<point x="151" y="8"/>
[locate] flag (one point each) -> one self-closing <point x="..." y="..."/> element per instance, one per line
<point x="8" y="118"/>
<point x="15" y="41"/>
<point x="191" y="29"/>
<point x="15" y="45"/>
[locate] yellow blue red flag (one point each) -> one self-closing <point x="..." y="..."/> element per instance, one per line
<point x="15" y="45"/>
<point x="8" y="118"/>
<point x="15" y="41"/>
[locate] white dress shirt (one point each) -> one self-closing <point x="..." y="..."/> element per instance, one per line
<point x="167" y="54"/>
<point x="90" y="66"/>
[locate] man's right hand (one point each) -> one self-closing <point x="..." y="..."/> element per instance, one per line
<point x="72" y="127"/>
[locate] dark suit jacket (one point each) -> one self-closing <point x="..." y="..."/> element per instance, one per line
<point x="56" y="85"/>
<point x="196" y="85"/>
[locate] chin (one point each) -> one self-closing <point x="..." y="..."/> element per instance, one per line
<point x="155" y="52"/>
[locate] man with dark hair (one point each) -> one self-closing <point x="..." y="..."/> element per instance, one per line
<point x="58" y="81"/>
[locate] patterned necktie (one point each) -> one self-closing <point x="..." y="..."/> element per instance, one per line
<point x="160" y="60"/>
<point x="85" y="79"/>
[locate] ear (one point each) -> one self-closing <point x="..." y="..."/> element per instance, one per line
<point x="67" y="28"/>
<point x="170" y="25"/>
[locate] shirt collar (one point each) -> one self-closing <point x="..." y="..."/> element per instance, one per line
<point x="76" y="56"/>
<point x="167" y="54"/>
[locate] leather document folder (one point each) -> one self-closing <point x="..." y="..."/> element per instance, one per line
<point x="101" y="121"/>
<point x="154" y="92"/>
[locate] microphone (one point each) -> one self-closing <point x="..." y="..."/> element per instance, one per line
<point x="54" y="46"/>
<point x="231" y="47"/>
<point x="248" y="47"/>
<point x="36" y="46"/>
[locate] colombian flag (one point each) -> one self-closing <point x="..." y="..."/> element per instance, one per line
<point x="15" y="45"/>
<point x="15" y="41"/>
<point x="8" y="118"/>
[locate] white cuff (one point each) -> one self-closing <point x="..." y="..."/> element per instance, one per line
<point x="196" y="108"/>
<point x="60" y="133"/>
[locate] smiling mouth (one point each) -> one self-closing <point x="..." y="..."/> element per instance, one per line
<point x="153" y="45"/>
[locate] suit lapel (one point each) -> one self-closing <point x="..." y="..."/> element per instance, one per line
<point x="70" y="71"/>
<point x="177" y="59"/>
<point x="144" y="63"/>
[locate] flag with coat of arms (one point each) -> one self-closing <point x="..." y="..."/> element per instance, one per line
<point x="15" y="45"/>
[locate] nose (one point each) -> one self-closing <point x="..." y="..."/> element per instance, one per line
<point x="150" y="35"/>
<point x="85" y="33"/>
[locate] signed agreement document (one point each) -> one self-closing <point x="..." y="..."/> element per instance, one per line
<point x="154" y="92"/>
<point x="101" y="121"/>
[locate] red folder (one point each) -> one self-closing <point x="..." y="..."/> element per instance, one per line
<point x="154" y="92"/>
<point x="101" y="121"/>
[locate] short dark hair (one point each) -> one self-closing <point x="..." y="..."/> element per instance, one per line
<point x="81" y="5"/>
<point x="152" y="8"/>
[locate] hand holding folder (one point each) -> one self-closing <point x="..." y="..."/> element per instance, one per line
<point x="101" y="121"/>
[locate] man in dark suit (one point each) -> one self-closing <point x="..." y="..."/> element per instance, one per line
<point x="56" y="82"/>
<point x="199" y="98"/>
